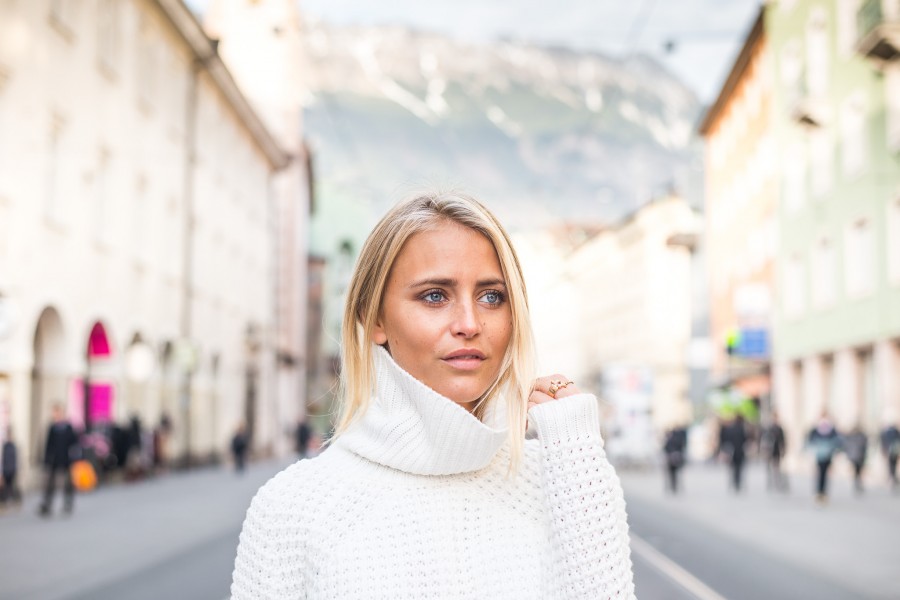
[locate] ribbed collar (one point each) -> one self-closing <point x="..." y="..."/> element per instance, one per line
<point x="412" y="428"/>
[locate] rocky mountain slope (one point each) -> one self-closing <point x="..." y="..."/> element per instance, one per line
<point x="543" y="135"/>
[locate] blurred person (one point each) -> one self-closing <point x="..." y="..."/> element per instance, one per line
<point x="161" y="434"/>
<point x="62" y="442"/>
<point x="302" y="436"/>
<point x="239" y="445"/>
<point x="824" y="441"/>
<point x="890" y="446"/>
<point x="9" y="461"/>
<point x="773" y="448"/>
<point x="674" y="447"/>
<point x="732" y="445"/>
<point x="855" y="445"/>
<point x="430" y="483"/>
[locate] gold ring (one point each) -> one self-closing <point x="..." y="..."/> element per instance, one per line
<point x="555" y="386"/>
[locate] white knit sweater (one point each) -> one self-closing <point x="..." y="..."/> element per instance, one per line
<point x="415" y="502"/>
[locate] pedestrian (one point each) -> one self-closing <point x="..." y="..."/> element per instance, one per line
<point x="9" y="460"/>
<point x="431" y="486"/>
<point x="161" y="435"/>
<point x="854" y="445"/>
<point x="773" y="449"/>
<point x="239" y="445"/>
<point x="61" y="445"/>
<point x="824" y="441"/>
<point x="674" y="447"/>
<point x="890" y="446"/>
<point x="732" y="445"/>
<point x="302" y="435"/>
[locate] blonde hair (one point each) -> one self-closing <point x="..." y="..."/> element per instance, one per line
<point x="421" y="212"/>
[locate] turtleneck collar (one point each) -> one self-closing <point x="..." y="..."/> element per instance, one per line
<point x="410" y="427"/>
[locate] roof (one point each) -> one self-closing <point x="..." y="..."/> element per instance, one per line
<point x="737" y="71"/>
<point x="204" y="51"/>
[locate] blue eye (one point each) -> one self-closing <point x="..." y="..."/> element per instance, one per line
<point x="492" y="297"/>
<point x="433" y="297"/>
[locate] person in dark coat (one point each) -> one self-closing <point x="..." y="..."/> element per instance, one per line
<point x="824" y="441"/>
<point x="855" y="446"/>
<point x="890" y="446"/>
<point x="732" y="442"/>
<point x="61" y="443"/>
<point x="773" y="448"/>
<point x="239" y="444"/>
<point x="301" y="438"/>
<point x="9" y="461"/>
<point x="675" y="447"/>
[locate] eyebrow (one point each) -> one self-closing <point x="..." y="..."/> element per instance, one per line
<point x="448" y="282"/>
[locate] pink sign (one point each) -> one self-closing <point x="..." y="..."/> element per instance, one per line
<point x="101" y="406"/>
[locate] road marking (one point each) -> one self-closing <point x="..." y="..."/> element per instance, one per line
<point x="675" y="572"/>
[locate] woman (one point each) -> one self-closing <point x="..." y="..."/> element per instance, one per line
<point x="430" y="488"/>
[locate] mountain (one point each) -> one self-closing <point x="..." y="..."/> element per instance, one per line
<point x="543" y="135"/>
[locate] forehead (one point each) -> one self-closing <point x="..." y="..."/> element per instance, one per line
<point x="447" y="248"/>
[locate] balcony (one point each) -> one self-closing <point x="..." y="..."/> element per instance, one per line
<point x="878" y="23"/>
<point x="805" y="108"/>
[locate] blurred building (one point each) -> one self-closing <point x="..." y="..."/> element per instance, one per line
<point x="836" y="72"/>
<point x="260" y="42"/>
<point x="136" y="255"/>
<point x="742" y="185"/>
<point x="612" y="310"/>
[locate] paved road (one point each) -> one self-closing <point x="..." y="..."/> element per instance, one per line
<point x="762" y="545"/>
<point x="175" y="537"/>
<point x="172" y="537"/>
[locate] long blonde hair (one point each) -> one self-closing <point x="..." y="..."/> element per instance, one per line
<point x="420" y="212"/>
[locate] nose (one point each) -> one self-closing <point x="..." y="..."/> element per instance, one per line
<point x="465" y="321"/>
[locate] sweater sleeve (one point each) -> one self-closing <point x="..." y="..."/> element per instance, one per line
<point x="588" y="531"/>
<point x="267" y="563"/>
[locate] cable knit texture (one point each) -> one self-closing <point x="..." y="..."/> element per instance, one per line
<point x="414" y="501"/>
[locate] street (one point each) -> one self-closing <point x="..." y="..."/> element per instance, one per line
<point x="175" y="537"/>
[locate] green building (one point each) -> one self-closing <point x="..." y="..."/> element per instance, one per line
<point x="836" y="82"/>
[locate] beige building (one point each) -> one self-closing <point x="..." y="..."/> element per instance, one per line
<point x="742" y="182"/>
<point x="612" y="309"/>
<point x="260" y="42"/>
<point x="136" y="255"/>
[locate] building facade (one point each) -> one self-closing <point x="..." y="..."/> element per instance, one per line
<point x="742" y="184"/>
<point x="260" y="42"/>
<point x="136" y="262"/>
<point x="836" y="119"/>
<point x="613" y="312"/>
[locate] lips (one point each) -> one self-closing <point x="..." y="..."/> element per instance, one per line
<point x="465" y="359"/>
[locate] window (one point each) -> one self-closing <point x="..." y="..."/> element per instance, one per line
<point x="795" y="179"/>
<point x="817" y="58"/>
<point x="821" y="162"/>
<point x="52" y="203"/>
<point x="794" y="287"/>
<point x="853" y="135"/>
<point x="147" y="65"/>
<point x="101" y="218"/>
<point x="893" y="238"/>
<point x="846" y="27"/>
<point x="108" y="34"/>
<point x="62" y="16"/>
<point x="892" y="104"/>
<point x="859" y="262"/>
<point x="824" y="267"/>
<point x="140" y="224"/>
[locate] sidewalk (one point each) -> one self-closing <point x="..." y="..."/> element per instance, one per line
<point x="854" y="540"/>
<point x="122" y="529"/>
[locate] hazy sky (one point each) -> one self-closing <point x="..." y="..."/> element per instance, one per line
<point x="707" y="34"/>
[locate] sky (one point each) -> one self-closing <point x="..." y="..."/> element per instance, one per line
<point x="705" y="35"/>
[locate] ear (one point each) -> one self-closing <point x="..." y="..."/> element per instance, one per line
<point x="379" y="335"/>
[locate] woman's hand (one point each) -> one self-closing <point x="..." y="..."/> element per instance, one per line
<point x="549" y="388"/>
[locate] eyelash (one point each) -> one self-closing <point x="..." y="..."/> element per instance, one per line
<point x="501" y="297"/>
